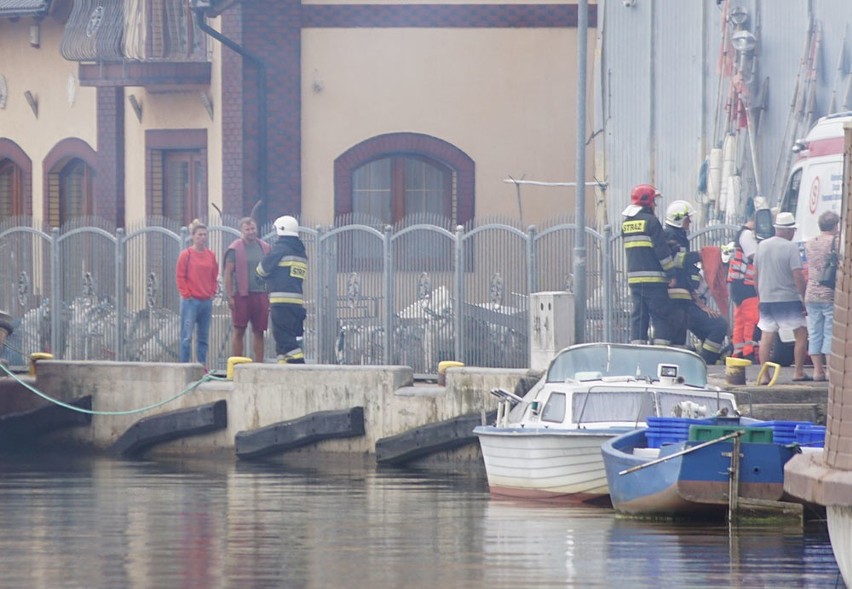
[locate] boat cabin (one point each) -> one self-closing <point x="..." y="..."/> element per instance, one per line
<point x="610" y="385"/>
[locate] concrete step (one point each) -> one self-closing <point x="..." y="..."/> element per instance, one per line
<point x="812" y="412"/>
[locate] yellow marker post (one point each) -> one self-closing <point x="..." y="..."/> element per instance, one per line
<point x="233" y="361"/>
<point x="735" y="372"/>
<point x="35" y="357"/>
<point x="442" y="370"/>
<point x="776" y="370"/>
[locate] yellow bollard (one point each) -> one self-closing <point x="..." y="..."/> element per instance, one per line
<point x="442" y="370"/>
<point x="233" y="361"/>
<point x="35" y="357"/>
<point x="776" y="370"/>
<point x="735" y="370"/>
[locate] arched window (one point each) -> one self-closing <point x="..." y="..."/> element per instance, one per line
<point x="399" y="186"/>
<point x="391" y="177"/>
<point x="11" y="204"/>
<point x="69" y="172"/>
<point x="15" y="180"/>
<point x="75" y="191"/>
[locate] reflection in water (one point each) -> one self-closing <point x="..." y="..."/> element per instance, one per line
<point x="95" y="522"/>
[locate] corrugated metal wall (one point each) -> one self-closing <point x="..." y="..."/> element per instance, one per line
<point x="658" y="89"/>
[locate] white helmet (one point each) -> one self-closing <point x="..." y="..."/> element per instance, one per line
<point x="286" y="226"/>
<point x="727" y="251"/>
<point x="677" y="212"/>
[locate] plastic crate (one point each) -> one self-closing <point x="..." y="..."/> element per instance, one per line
<point x="751" y="435"/>
<point x="784" y="432"/>
<point x="659" y="439"/>
<point x="669" y="430"/>
<point x="810" y="435"/>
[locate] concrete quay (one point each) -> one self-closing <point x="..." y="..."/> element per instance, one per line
<point x="262" y="395"/>
<point x="259" y="395"/>
<point x="785" y="400"/>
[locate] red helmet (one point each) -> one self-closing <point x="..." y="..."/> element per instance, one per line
<point x="644" y="195"/>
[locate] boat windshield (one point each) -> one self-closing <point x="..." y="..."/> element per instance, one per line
<point x="594" y="361"/>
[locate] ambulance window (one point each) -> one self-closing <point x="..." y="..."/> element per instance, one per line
<point x="791" y="195"/>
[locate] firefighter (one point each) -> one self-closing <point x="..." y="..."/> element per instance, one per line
<point x="678" y="218"/>
<point x="703" y="321"/>
<point x="649" y="266"/>
<point x="744" y="293"/>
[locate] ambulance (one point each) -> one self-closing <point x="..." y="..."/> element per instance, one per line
<point x="815" y="184"/>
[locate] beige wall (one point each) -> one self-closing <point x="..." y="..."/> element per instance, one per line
<point x="43" y="72"/>
<point x="505" y="97"/>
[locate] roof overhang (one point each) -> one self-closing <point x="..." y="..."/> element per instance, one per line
<point x="159" y="75"/>
<point x="213" y="8"/>
<point x="19" y="8"/>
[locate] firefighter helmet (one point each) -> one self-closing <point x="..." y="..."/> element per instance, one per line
<point x="644" y="195"/>
<point x="677" y="212"/>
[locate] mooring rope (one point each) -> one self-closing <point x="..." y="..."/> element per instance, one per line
<point x="192" y="386"/>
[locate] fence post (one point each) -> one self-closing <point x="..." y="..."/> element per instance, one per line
<point x="120" y="294"/>
<point x="532" y="256"/>
<point x="321" y="303"/>
<point x="608" y="280"/>
<point x="532" y="279"/>
<point x="55" y="302"/>
<point x="387" y="318"/>
<point x="458" y="307"/>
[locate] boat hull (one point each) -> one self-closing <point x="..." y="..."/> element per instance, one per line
<point x="839" y="518"/>
<point x="692" y="484"/>
<point x="545" y="464"/>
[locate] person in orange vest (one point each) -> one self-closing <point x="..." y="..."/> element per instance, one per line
<point x="744" y="293"/>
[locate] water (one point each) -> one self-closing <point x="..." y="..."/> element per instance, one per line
<point x="98" y="522"/>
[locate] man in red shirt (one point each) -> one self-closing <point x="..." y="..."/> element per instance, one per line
<point x="246" y="291"/>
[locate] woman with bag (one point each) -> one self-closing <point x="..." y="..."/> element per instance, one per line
<point x="821" y="252"/>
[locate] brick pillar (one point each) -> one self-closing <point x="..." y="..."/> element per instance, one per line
<point x="272" y="30"/>
<point x="838" y="442"/>
<point x="108" y="183"/>
<point x="236" y="196"/>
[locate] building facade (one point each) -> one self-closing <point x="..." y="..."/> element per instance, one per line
<point x="323" y="109"/>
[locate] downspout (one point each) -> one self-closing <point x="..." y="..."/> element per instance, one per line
<point x="262" y="182"/>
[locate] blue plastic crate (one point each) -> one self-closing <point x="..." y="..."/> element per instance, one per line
<point x="657" y="439"/>
<point x="784" y="432"/>
<point x="810" y="435"/>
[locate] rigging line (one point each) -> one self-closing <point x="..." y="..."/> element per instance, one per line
<point x="207" y="377"/>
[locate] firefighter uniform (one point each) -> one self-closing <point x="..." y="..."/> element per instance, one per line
<point x="649" y="268"/>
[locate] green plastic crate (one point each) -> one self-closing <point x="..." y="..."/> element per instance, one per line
<point x="751" y="435"/>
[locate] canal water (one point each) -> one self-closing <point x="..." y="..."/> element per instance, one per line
<point x="87" y="522"/>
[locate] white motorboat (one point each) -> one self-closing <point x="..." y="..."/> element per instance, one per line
<point x="548" y="443"/>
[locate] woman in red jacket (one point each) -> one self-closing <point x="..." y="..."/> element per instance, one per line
<point x="197" y="280"/>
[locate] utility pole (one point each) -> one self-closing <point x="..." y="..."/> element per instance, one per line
<point x="580" y="201"/>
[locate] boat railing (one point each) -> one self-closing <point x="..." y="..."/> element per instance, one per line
<point x="730" y="436"/>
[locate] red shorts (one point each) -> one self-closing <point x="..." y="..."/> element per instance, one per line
<point x="252" y="308"/>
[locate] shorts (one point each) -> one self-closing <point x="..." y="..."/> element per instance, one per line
<point x="253" y="308"/>
<point x="777" y="316"/>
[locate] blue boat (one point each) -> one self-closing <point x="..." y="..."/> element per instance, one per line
<point x="679" y="467"/>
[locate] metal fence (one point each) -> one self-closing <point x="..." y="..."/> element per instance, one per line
<point x="414" y="294"/>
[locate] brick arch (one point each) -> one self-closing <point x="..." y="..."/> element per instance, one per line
<point x="389" y="144"/>
<point x="9" y="150"/>
<point x="56" y="159"/>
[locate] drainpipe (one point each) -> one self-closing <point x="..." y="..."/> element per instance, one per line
<point x="261" y="109"/>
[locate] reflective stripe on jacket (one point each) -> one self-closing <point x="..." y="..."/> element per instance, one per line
<point x="285" y="268"/>
<point x="649" y="260"/>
